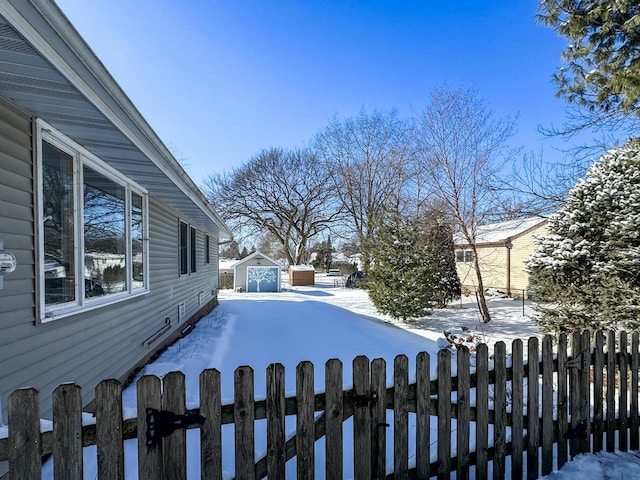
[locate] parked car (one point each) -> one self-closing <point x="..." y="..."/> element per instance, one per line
<point x="356" y="280"/>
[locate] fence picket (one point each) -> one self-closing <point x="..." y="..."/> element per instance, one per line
<point x="444" y="414"/>
<point x="622" y="397"/>
<point x="423" y="415"/>
<point x="598" y="407"/>
<point x="211" y="429"/>
<point x="379" y="418"/>
<point x="562" y="403"/>
<point x="517" y="409"/>
<point x="275" y="422"/>
<point x="463" y="417"/>
<point x="611" y="390"/>
<point x="67" y="432"/>
<point x="500" y="411"/>
<point x="634" y="421"/>
<point x="361" y="419"/>
<point x="149" y="454"/>
<point x="243" y="419"/>
<point x="575" y="391"/>
<point x="174" y="446"/>
<point x="482" y="412"/>
<point x="400" y="417"/>
<point x="547" y="405"/>
<point x="334" y="417"/>
<point x="585" y="398"/>
<point x="109" y="441"/>
<point x="305" y="428"/>
<point x="533" y="407"/>
<point x="23" y="412"/>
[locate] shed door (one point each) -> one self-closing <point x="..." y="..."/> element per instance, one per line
<point x="262" y="279"/>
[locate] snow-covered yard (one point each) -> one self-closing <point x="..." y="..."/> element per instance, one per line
<point x="317" y="323"/>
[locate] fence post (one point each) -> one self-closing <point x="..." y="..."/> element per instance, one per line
<point x="400" y="416"/>
<point x="547" y="405"/>
<point x="598" y="410"/>
<point x="423" y="415"/>
<point x="23" y="412"/>
<point x="211" y="429"/>
<point x="562" y="401"/>
<point x="635" y="364"/>
<point x="611" y="390"/>
<point x="482" y="411"/>
<point x="585" y="376"/>
<point x="174" y="448"/>
<point x="517" y="408"/>
<point x="109" y="435"/>
<point x="379" y="418"/>
<point x="500" y="410"/>
<point x="361" y="419"/>
<point x="533" y="410"/>
<point x="305" y="425"/>
<point x="149" y="454"/>
<point x="463" y="416"/>
<point x="575" y="392"/>
<point x="276" y="422"/>
<point x="67" y="431"/>
<point x="334" y="414"/>
<point x="244" y="419"/>
<point x="444" y="414"/>
<point x="622" y="399"/>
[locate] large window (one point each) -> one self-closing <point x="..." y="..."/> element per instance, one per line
<point x="93" y="230"/>
<point x="184" y="248"/>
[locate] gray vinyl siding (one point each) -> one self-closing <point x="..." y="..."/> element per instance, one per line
<point x="103" y="343"/>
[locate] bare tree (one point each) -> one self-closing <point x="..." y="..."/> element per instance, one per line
<point x="367" y="158"/>
<point x="278" y="191"/>
<point x="459" y="146"/>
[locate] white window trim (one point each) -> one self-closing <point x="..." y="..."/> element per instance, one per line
<point x="81" y="156"/>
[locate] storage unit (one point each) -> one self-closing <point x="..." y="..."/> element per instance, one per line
<point x="256" y="273"/>
<point x="302" y="275"/>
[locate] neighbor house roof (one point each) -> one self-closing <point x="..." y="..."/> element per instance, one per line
<point x="502" y="231"/>
<point x="49" y="71"/>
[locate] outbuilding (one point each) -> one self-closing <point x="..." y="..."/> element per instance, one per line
<point x="302" y="275"/>
<point x="256" y="273"/>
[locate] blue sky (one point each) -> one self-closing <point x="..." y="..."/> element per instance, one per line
<point x="219" y="80"/>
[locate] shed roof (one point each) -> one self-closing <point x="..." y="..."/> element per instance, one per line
<point x="257" y="256"/>
<point x="49" y="71"/>
<point x="502" y="231"/>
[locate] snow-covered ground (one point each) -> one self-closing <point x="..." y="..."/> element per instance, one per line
<point x="317" y="323"/>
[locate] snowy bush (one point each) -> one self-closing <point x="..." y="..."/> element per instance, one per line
<point x="587" y="269"/>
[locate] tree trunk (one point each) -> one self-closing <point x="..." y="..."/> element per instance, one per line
<point x="482" y="301"/>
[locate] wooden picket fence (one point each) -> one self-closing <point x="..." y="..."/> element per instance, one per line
<point x="583" y="399"/>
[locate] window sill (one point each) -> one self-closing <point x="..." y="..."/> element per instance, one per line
<point x="58" y="313"/>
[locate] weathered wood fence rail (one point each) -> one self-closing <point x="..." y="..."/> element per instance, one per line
<point x="580" y="399"/>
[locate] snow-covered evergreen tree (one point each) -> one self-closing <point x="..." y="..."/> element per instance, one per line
<point x="411" y="271"/>
<point x="587" y="269"/>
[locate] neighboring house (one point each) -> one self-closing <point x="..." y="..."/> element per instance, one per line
<point x="256" y="273"/>
<point x="116" y="248"/>
<point x="502" y="250"/>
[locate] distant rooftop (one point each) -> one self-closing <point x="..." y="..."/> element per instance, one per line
<point x="498" y="232"/>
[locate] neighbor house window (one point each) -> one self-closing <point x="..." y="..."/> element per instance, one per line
<point x="184" y="248"/>
<point x="464" y="256"/>
<point x="192" y="250"/>
<point x="207" y="250"/>
<point x="92" y="248"/>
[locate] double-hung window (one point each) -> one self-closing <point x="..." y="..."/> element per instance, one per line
<point x="188" y="248"/>
<point x="464" y="256"/>
<point x="93" y="224"/>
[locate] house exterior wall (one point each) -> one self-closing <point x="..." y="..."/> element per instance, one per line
<point x="89" y="346"/>
<point x="523" y="247"/>
<point x="493" y="261"/>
